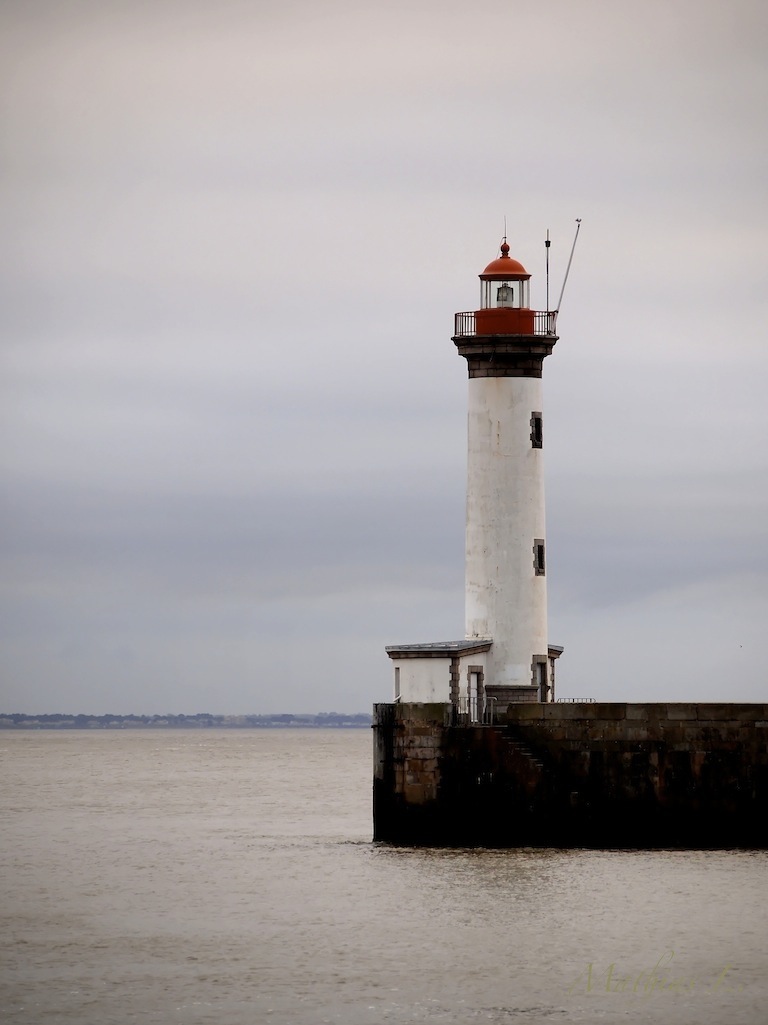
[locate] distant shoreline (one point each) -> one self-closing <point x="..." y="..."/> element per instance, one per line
<point x="202" y="720"/>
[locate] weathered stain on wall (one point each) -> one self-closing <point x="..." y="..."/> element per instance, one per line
<point x="621" y="775"/>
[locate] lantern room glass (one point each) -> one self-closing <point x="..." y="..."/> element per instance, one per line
<point x="505" y="294"/>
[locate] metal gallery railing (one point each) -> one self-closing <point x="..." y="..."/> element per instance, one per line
<point x="544" y="323"/>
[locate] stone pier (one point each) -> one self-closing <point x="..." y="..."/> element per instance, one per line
<point x="573" y="775"/>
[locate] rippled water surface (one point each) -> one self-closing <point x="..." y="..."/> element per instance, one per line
<point x="229" y="877"/>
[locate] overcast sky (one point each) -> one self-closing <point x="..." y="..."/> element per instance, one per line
<point x="233" y="422"/>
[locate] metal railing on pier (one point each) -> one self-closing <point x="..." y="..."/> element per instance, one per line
<point x="473" y="712"/>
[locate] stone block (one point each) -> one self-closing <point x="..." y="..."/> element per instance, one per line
<point x="672" y="734"/>
<point x="428" y="712"/>
<point x="656" y="729"/>
<point x="574" y="731"/>
<point x="737" y="730"/>
<point x="560" y="710"/>
<point x="420" y="763"/>
<point x="422" y="731"/>
<point x="637" y="732"/>
<point x="571" y="711"/>
<point x="649" y="711"/>
<point x="423" y="754"/>
<point x="415" y="793"/>
<point x="748" y="713"/>
<point x="425" y="745"/>
<point x="614" y="729"/>
<point x="526" y="712"/>
<point x="604" y="710"/>
<point x="681" y="710"/>
<point x="739" y="712"/>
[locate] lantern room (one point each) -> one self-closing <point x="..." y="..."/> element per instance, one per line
<point x="504" y="298"/>
<point x="504" y="284"/>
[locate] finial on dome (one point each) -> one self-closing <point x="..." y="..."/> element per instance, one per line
<point x="504" y="247"/>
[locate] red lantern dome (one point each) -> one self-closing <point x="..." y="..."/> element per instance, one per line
<point x="504" y="268"/>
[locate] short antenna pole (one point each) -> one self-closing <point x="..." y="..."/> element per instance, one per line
<point x="568" y="268"/>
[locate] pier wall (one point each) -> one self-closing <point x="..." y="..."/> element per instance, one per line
<point x="573" y="775"/>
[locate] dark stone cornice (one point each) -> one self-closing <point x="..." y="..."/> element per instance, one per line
<point x="504" y="355"/>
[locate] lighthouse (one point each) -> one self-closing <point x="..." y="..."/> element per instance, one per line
<point x="505" y="655"/>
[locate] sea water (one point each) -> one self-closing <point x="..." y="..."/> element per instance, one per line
<point x="228" y="877"/>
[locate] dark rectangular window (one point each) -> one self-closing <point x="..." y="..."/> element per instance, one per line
<point x="538" y="557"/>
<point x="537" y="435"/>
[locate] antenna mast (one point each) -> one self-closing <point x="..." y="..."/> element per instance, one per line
<point x="546" y="250"/>
<point x="567" y="269"/>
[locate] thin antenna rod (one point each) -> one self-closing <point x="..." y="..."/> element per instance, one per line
<point x="546" y="250"/>
<point x="567" y="269"/>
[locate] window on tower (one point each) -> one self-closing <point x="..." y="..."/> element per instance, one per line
<point x="536" y="430"/>
<point x="538" y="557"/>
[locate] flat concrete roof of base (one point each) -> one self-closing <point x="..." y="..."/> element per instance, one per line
<point x="437" y="649"/>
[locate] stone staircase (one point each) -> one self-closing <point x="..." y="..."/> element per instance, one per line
<point x="526" y="766"/>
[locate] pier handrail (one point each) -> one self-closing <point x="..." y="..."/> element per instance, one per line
<point x="473" y="711"/>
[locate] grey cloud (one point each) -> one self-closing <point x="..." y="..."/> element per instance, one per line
<point x="232" y="424"/>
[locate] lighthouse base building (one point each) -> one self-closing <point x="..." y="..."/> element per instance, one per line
<point x="458" y="672"/>
<point x="505" y="655"/>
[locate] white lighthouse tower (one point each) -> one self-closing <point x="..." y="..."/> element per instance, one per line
<point x="504" y="343"/>
<point x="505" y="656"/>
